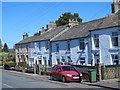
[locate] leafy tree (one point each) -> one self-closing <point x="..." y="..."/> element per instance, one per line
<point x="64" y="19"/>
<point x="0" y="45"/>
<point x="5" y="48"/>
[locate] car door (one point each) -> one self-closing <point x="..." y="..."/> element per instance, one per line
<point x="58" y="73"/>
<point x="54" y="71"/>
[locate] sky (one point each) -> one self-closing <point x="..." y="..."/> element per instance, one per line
<point x="20" y="17"/>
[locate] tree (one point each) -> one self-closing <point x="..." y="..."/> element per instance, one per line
<point x="0" y="45"/>
<point x="64" y="19"/>
<point x="36" y="34"/>
<point x="5" y="48"/>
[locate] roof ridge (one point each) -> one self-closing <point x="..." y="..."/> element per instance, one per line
<point x="59" y="33"/>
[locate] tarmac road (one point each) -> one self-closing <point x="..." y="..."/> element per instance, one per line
<point x="14" y="79"/>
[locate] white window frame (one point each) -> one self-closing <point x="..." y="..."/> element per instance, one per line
<point x="82" y="44"/>
<point x="114" y="35"/>
<point x="96" y="40"/>
<point x="115" y="58"/>
<point x="46" y="45"/>
<point x="39" y="46"/>
<point x="68" y="45"/>
<point x="57" y="47"/>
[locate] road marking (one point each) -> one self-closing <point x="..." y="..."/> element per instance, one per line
<point x="7" y="85"/>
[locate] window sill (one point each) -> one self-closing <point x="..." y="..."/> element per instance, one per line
<point x="115" y="49"/>
<point x="68" y="52"/>
<point x="46" y="52"/>
<point x="81" y="51"/>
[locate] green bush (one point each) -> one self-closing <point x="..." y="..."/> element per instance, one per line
<point x="0" y="63"/>
<point x="10" y="64"/>
<point x="22" y="64"/>
<point x="7" y="65"/>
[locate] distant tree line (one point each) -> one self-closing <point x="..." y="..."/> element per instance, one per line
<point x="5" y="55"/>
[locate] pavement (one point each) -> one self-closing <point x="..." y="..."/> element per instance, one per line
<point x="113" y="84"/>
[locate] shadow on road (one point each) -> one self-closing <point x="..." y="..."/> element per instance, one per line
<point x="106" y="87"/>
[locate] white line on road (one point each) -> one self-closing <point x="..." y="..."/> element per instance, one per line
<point x="7" y="85"/>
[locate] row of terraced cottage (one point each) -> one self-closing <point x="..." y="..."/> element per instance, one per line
<point x="88" y="43"/>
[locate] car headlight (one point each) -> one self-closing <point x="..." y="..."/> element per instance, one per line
<point x="81" y="74"/>
<point x="69" y="75"/>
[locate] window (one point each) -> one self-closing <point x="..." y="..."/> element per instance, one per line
<point x="46" y="45"/>
<point x="58" y="68"/>
<point x="26" y="48"/>
<point x="68" y="68"/>
<point x="63" y="60"/>
<point x="115" y="59"/>
<point x="82" y="44"/>
<point x="58" y="61"/>
<point x="69" y="59"/>
<point x="39" y="45"/>
<point x="96" y="40"/>
<point x="49" y="63"/>
<point x="57" y="47"/>
<point x="115" y="38"/>
<point x="40" y="62"/>
<point x="82" y="60"/>
<point x="68" y="47"/>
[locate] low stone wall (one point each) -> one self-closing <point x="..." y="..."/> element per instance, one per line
<point x="84" y="70"/>
<point x="111" y="72"/>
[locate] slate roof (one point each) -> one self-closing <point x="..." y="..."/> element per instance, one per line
<point x="47" y="35"/>
<point x="83" y="29"/>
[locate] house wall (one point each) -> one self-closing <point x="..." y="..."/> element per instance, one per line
<point x="21" y="53"/>
<point x="106" y="49"/>
<point x="38" y="52"/>
<point x="75" y="53"/>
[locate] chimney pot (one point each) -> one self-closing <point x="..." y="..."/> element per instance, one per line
<point x="25" y="35"/>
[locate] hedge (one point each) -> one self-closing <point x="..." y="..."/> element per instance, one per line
<point x="22" y="64"/>
<point x="0" y="63"/>
<point x="10" y="64"/>
<point x="7" y="65"/>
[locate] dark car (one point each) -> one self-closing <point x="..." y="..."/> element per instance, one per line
<point x="30" y="69"/>
<point x="65" y="73"/>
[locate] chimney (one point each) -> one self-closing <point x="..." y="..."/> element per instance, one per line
<point x="25" y="35"/>
<point x="42" y="30"/>
<point x="115" y="6"/>
<point x="51" y="25"/>
<point x="73" y="22"/>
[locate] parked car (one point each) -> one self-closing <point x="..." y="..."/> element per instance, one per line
<point x="30" y="69"/>
<point x="65" y="73"/>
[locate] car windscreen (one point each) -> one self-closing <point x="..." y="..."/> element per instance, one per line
<point x="68" y="68"/>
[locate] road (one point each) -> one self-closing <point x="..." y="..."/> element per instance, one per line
<point x="13" y="79"/>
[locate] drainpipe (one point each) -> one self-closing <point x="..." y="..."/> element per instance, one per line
<point x="119" y="45"/>
<point x="119" y="51"/>
<point x="90" y="48"/>
<point x="50" y="54"/>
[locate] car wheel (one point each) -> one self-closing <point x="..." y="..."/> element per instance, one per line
<point x="63" y="79"/>
<point x="80" y="81"/>
<point x="51" y="77"/>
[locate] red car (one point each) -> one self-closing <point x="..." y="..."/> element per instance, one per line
<point x="65" y="73"/>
